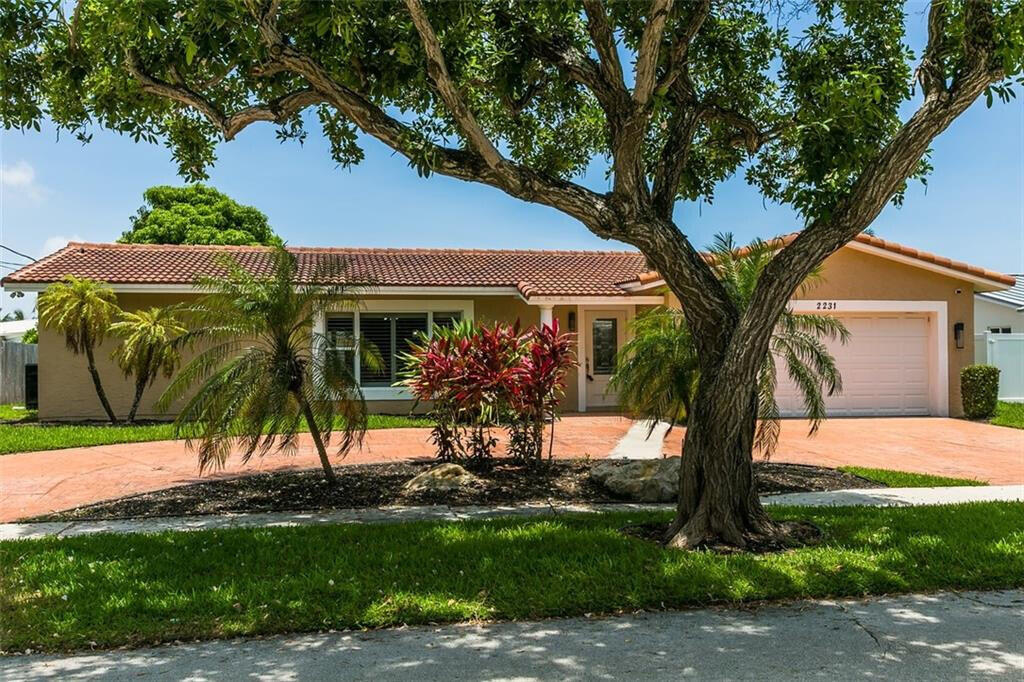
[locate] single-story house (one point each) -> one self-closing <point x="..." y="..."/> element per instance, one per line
<point x="911" y="314"/>
<point x="1000" y="311"/>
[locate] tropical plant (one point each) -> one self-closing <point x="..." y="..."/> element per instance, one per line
<point x="197" y="214"/>
<point x="658" y="373"/>
<point x="31" y="336"/>
<point x="480" y="376"/>
<point x="263" y="368"/>
<point x="82" y="310"/>
<point x="537" y="387"/>
<point x="147" y="348"/>
<point x="14" y="316"/>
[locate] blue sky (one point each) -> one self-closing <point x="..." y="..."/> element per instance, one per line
<point x="53" y="190"/>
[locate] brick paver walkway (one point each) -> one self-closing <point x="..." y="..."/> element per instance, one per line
<point x="39" y="482"/>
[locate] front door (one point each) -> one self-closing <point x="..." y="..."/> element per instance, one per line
<point x="606" y="332"/>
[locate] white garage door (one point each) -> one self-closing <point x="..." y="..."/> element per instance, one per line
<point x="885" y="369"/>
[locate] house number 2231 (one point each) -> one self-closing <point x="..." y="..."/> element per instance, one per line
<point x="826" y="305"/>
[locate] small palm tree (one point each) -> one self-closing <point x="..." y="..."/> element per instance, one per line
<point x="81" y="310"/>
<point x="263" y="368"/>
<point x="657" y="371"/>
<point x="148" y="347"/>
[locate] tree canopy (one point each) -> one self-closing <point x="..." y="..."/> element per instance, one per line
<point x="822" y="105"/>
<point x="197" y="214"/>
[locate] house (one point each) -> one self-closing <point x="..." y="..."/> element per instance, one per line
<point x="911" y="314"/>
<point x="14" y="330"/>
<point x="1000" y="311"/>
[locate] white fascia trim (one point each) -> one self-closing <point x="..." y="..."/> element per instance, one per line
<point x="991" y="285"/>
<point x="595" y="300"/>
<point x="939" y="398"/>
<point x="636" y="286"/>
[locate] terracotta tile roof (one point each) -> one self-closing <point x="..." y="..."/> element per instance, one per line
<point x="533" y="273"/>
<point x="893" y="247"/>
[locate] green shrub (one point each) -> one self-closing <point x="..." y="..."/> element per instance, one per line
<point x="979" y="390"/>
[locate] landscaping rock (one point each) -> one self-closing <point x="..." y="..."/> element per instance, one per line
<point x="642" y="480"/>
<point x="444" y="478"/>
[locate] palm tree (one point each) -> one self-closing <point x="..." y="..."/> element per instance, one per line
<point x="15" y="316"/>
<point x="148" y="347"/>
<point x="656" y="372"/>
<point x="82" y="310"/>
<point x="263" y="368"/>
<point x="657" y="369"/>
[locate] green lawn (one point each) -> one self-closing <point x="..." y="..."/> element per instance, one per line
<point x="10" y="412"/>
<point x="907" y="479"/>
<point x="112" y="590"/>
<point x="31" y="437"/>
<point x="1009" y="414"/>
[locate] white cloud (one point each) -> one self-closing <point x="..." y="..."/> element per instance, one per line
<point x="58" y="242"/>
<point x="20" y="178"/>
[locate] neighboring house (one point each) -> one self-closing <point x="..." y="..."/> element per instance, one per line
<point x="911" y="314"/>
<point x="13" y="330"/>
<point x="1000" y="312"/>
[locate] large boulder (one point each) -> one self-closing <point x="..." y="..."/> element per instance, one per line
<point x="642" y="480"/>
<point x="444" y="478"/>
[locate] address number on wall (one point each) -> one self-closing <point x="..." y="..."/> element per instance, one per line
<point x="826" y="305"/>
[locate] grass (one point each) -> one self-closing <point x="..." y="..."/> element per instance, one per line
<point x="908" y="479"/>
<point x="1009" y="414"/>
<point x="113" y="590"/>
<point x="17" y="413"/>
<point x="32" y="437"/>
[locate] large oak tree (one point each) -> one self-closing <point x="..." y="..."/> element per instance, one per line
<point x="806" y="100"/>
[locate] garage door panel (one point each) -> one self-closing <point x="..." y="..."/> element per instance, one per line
<point x="885" y="368"/>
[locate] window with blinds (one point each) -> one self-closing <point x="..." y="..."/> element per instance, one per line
<point x="390" y="334"/>
<point x="447" y="319"/>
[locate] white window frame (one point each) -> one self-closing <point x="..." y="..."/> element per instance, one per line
<point x="428" y="306"/>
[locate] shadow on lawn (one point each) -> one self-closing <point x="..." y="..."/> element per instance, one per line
<point x="114" y="589"/>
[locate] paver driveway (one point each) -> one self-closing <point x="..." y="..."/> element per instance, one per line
<point x="35" y="483"/>
<point x="40" y="482"/>
<point x="928" y="445"/>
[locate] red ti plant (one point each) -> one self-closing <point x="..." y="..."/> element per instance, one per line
<point x="538" y="387"/>
<point x="431" y="369"/>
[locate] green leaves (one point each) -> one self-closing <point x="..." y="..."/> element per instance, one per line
<point x="197" y="214"/>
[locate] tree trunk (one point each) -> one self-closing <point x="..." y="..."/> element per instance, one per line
<point x="718" y="499"/>
<point x="98" y="385"/>
<point x="140" y="387"/>
<point x="321" y="450"/>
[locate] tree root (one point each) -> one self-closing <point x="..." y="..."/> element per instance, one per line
<point x="776" y="536"/>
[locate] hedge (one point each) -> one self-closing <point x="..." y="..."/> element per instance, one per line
<point x="979" y="390"/>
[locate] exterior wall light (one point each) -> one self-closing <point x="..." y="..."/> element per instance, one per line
<point x="958" y="335"/>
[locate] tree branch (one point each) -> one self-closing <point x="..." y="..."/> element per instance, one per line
<point x="437" y="69"/>
<point x="932" y="71"/>
<point x="679" y="59"/>
<point x="647" y="51"/>
<point x="604" y="42"/>
<point x="675" y="155"/>
<point x="875" y="187"/>
<point x="590" y="208"/>
<point x="276" y="110"/>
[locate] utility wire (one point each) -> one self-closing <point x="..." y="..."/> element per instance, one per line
<point x="17" y="253"/>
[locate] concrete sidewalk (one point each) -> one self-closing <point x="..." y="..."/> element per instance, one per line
<point x="916" y="637"/>
<point x="877" y="497"/>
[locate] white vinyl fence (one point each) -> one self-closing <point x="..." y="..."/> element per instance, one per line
<point x="1005" y="351"/>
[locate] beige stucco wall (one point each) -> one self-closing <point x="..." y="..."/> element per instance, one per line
<point x="66" y="392"/>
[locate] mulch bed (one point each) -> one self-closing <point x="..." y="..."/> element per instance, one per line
<point x="375" y="485"/>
